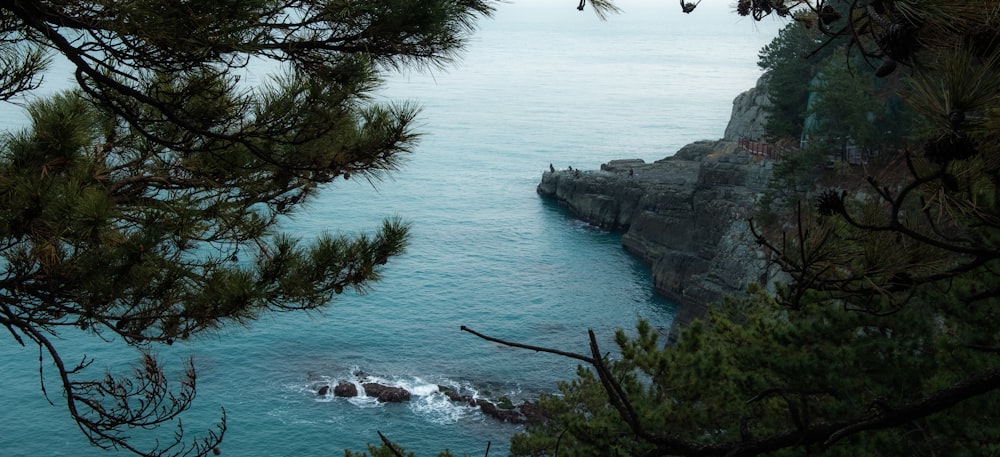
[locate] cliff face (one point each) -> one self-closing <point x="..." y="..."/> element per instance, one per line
<point x="749" y="115"/>
<point x="686" y="216"/>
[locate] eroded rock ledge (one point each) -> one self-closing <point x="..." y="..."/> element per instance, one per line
<point x="686" y="216"/>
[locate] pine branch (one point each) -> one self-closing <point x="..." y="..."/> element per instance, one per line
<point x="805" y="434"/>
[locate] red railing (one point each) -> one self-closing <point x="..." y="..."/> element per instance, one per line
<point x="764" y="149"/>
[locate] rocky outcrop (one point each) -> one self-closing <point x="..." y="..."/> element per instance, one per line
<point x="503" y="409"/>
<point x="345" y="389"/>
<point x="686" y="216"/>
<point x="386" y="394"/>
<point x="749" y="113"/>
<point x="380" y="392"/>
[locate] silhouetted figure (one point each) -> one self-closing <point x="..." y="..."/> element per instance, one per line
<point x="551" y="168"/>
<point x="689" y="7"/>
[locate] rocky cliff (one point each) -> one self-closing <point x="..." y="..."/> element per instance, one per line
<point x="749" y="115"/>
<point x="685" y="215"/>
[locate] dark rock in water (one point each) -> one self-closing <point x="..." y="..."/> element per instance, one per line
<point x="503" y="410"/>
<point x="491" y="410"/>
<point x="504" y="403"/>
<point x="488" y="408"/>
<point x="525" y="412"/>
<point x="323" y="390"/>
<point x="511" y="416"/>
<point x="455" y="396"/>
<point x="386" y="394"/>
<point x="531" y="412"/>
<point x="345" y="389"/>
<point x="449" y="392"/>
<point x="506" y="412"/>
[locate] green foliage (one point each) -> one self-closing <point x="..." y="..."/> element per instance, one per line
<point x="850" y="106"/>
<point x="792" y="180"/>
<point x="755" y="369"/>
<point x="390" y="450"/>
<point x="790" y="65"/>
<point x="143" y="206"/>
<point x="381" y="451"/>
<point x="883" y="341"/>
<point x="804" y="62"/>
<point x="842" y="106"/>
<point x="386" y="451"/>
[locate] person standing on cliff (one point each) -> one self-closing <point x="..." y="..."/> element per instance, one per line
<point x="551" y="168"/>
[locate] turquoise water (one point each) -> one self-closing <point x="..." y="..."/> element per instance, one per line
<point x="541" y="83"/>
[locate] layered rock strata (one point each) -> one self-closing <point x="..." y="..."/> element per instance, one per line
<point x="686" y="216"/>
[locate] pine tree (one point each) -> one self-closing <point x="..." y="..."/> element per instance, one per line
<point x="142" y="206"/>
<point x="790" y="64"/>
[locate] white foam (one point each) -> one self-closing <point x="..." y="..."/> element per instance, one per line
<point x="427" y="401"/>
<point x="439" y="409"/>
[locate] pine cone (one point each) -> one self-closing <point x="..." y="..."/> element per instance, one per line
<point x="830" y="203"/>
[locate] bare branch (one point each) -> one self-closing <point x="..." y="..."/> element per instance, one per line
<point x="571" y="355"/>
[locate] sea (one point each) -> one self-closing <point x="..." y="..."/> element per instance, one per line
<point x="540" y="83"/>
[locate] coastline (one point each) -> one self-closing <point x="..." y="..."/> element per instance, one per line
<point x="686" y="216"/>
